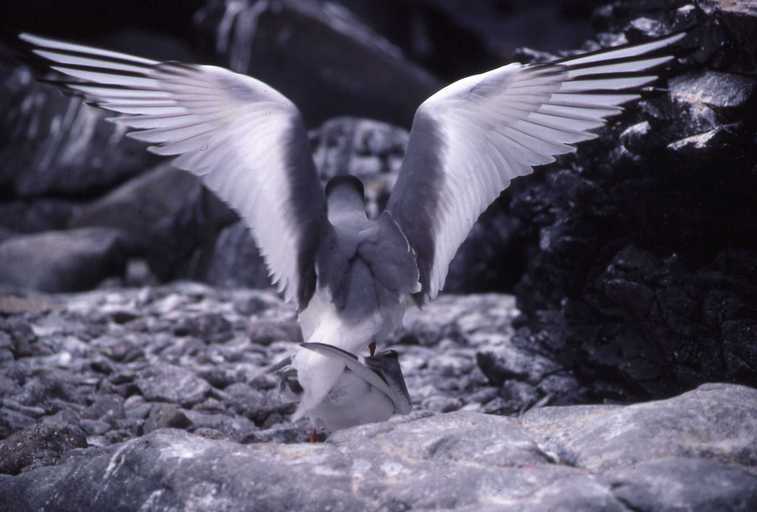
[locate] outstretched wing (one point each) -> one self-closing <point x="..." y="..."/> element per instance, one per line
<point x="244" y="139"/>
<point x="470" y="139"/>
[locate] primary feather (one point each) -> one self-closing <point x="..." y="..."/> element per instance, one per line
<point x="247" y="143"/>
<point x="469" y="140"/>
<point x="244" y="139"/>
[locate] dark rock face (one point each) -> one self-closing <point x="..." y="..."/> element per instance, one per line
<point x="33" y="216"/>
<point x="231" y="260"/>
<point x="60" y="261"/>
<point x="164" y="215"/>
<point x="455" y="39"/>
<point x="42" y="444"/>
<point x="641" y="276"/>
<point x="52" y="144"/>
<point x="282" y="42"/>
<point x="460" y="461"/>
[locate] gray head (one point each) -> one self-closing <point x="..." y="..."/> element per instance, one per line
<point x="345" y="196"/>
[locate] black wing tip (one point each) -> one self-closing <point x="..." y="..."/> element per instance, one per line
<point x="664" y="50"/>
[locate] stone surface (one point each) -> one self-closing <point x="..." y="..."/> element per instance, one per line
<point x="231" y="260"/>
<point x="127" y="361"/>
<point x="640" y="276"/>
<point x="168" y="383"/>
<point x="676" y="483"/>
<point x="42" y="444"/>
<point x="325" y="43"/>
<point x="54" y="144"/>
<point x="456" y="39"/>
<point x="699" y="423"/>
<point x="32" y="216"/>
<point x="60" y="261"/>
<point x="165" y="214"/>
<point x="458" y="461"/>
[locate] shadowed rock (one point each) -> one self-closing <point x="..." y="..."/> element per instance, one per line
<point x="62" y="261"/>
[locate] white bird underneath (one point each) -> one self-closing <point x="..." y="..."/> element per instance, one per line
<point x="370" y="389"/>
<point x="352" y="277"/>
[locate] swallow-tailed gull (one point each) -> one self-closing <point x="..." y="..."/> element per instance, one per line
<point x="352" y="277"/>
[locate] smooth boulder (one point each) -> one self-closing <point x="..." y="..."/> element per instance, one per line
<point x="62" y="261"/>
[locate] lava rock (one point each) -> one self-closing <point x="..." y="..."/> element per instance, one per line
<point x="232" y="260"/>
<point x="169" y="383"/>
<point x="638" y="242"/>
<point x="165" y="416"/>
<point x="35" y="215"/>
<point x="211" y="328"/>
<point x="58" y="145"/>
<point x="164" y="214"/>
<point x="326" y="43"/>
<point x="42" y="444"/>
<point x="60" y="261"/>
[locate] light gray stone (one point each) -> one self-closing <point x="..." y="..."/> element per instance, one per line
<point x="685" y="484"/>
<point x="169" y="383"/>
<point x="716" y="421"/>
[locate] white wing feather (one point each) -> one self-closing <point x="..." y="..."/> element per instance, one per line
<point x="243" y="138"/>
<point x="470" y="139"/>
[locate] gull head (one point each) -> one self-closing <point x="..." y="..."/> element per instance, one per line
<point x="345" y="197"/>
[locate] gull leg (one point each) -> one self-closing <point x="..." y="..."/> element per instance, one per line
<point x="372" y="348"/>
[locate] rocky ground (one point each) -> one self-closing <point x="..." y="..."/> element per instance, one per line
<point x="118" y="363"/>
<point x="152" y="397"/>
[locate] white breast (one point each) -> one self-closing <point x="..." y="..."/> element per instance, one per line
<point x="352" y="402"/>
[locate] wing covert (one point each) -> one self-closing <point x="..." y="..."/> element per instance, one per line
<point x="244" y="139"/>
<point x="470" y="139"/>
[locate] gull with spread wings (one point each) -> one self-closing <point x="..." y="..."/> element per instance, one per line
<point x="352" y="277"/>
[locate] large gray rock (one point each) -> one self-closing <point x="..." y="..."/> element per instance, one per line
<point x="169" y="383"/>
<point x="62" y="261"/>
<point x="165" y="214"/>
<point x="320" y="56"/>
<point x="715" y="421"/>
<point x="35" y="215"/>
<point x="232" y="260"/>
<point x="684" y="483"/>
<point x="457" y="461"/>
<point x="42" y="444"/>
<point x="57" y="145"/>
